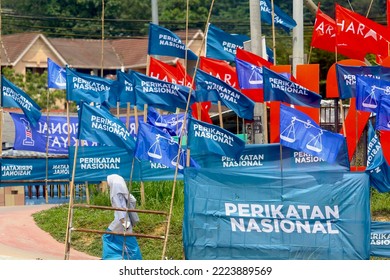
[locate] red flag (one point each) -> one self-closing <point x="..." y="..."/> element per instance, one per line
<point x="164" y="71"/>
<point x="359" y="32"/>
<point x="219" y="69"/>
<point x="324" y="37"/>
<point x="183" y="74"/>
<point x="388" y="13"/>
<point x="252" y="58"/>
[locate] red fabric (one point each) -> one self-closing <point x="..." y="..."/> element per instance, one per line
<point x="252" y="58"/>
<point x="324" y="37"/>
<point x="182" y="73"/>
<point x="204" y="111"/>
<point x="219" y="69"/>
<point x="354" y="124"/>
<point x="163" y="71"/>
<point x="385" y="142"/>
<point x="361" y="33"/>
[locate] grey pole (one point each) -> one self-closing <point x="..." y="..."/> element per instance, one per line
<point x="257" y="128"/>
<point x="298" y="47"/>
<point x="155" y="11"/>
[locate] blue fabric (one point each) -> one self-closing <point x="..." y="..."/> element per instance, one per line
<point x="159" y="94"/>
<point x="56" y="75"/>
<point x="222" y="45"/>
<point x="298" y="131"/>
<point x="14" y="97"/>
<point x="164" y="42"/>
<point x="279" y="88"/>
<point x="155" y="145"/>
<point x="380" y="239"/>
<point x="169" y="123"/>
<point x="377" y="166"/>
<point x="82" y="87"/>
<point x="249" y="75"/>
<point x="281" y="19"/>
<point x="205" y="138"/>
<point x="113" y="247"/>
<point x="383" y="114"/>
<point x="99" y="125"/>
<point x="231" y="214"/>
<point x="125" y="89"/>
<point x="346" y="77"/>
<point x="210" y="88"/>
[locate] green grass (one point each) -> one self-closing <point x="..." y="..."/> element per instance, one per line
<point x="158" y="197"/>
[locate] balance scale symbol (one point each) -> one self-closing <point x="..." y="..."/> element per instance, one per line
<point x="289" y="135"/>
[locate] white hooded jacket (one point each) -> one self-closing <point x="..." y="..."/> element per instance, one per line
<point x="118" y="196"/>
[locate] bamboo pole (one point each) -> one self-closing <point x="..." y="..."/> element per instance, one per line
<point x="70" y="208"/>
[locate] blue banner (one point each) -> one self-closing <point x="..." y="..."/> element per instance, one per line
<point x="383" y="114"/>
<point x="82" y="87"/>
<point x="222" y="45"/>
<point x="159" y="94"/>
<point x="281" y="19"/>
<point x="56" y="75"/>
<point x="210" y="88"/>
<point x="14" y="97"/>
<point x="249" y="75"/>
<point x="377" y="166"/>
<point x="278" y="88"/>
<point x="94" y="164"/>
<point x="33" y="169"/>
<point x="164" y="42"/>
<point x="298" y="131"/>
<point x="262" y="215"/>
<point x="125" y="89"/>
<point x="346" y="77"/>
<point x="267" y="157"/>
<point x="380" y="239"/>
<point x="205" y="138"/>
<point x="58" y="130"/>
<point x="99" y="125"/>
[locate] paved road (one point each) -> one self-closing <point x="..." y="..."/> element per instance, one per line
<point x="22" y="239"/>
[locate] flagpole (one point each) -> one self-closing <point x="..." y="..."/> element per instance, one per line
<point x="70" y="208"/>
<point x="47" y="144"/>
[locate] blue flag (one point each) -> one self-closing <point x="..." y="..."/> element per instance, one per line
<point x="171" y="123"/>
<point x="99" y="125"/>
<point x="159" y="94"/>
<point x="155" y="145"/>
<point x="125" y="89"/>
<point x="281" y="19"/>
<point x="369" y="91"/>
<point x="377" y="167"/>
<point x="82" y="87"/>
<point x="298" y="131"/>
<point x="222" y="45"/>
<point x="383" y="114"/>
<point x="249" y="75"/>
<point x="56" y="75"/>
<point x="346" y="77"/>
<point x="164" y="42"/>
<point x="278" y="88"/>
<point x="210" y="88"/>
<point x="14" y="97"/>
<point x="205" y="138"/>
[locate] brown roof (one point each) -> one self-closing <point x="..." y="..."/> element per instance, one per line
<point x="87" y="53"/>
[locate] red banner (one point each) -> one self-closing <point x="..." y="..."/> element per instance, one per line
<point x="219" y="69"/>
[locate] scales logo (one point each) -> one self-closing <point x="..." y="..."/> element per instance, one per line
<point x="314" y="144"/>
<point x="256" y="77"/>
<point x="28" y="139"/>
<point x="156" y="152"/>
<point x="60" y="79"/>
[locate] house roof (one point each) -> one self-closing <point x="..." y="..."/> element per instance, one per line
<point x="87" y="53"/>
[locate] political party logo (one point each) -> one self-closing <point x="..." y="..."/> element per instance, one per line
<point x="28" y="137"/>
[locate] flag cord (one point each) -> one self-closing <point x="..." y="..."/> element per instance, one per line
<point x="182" y="130"/>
